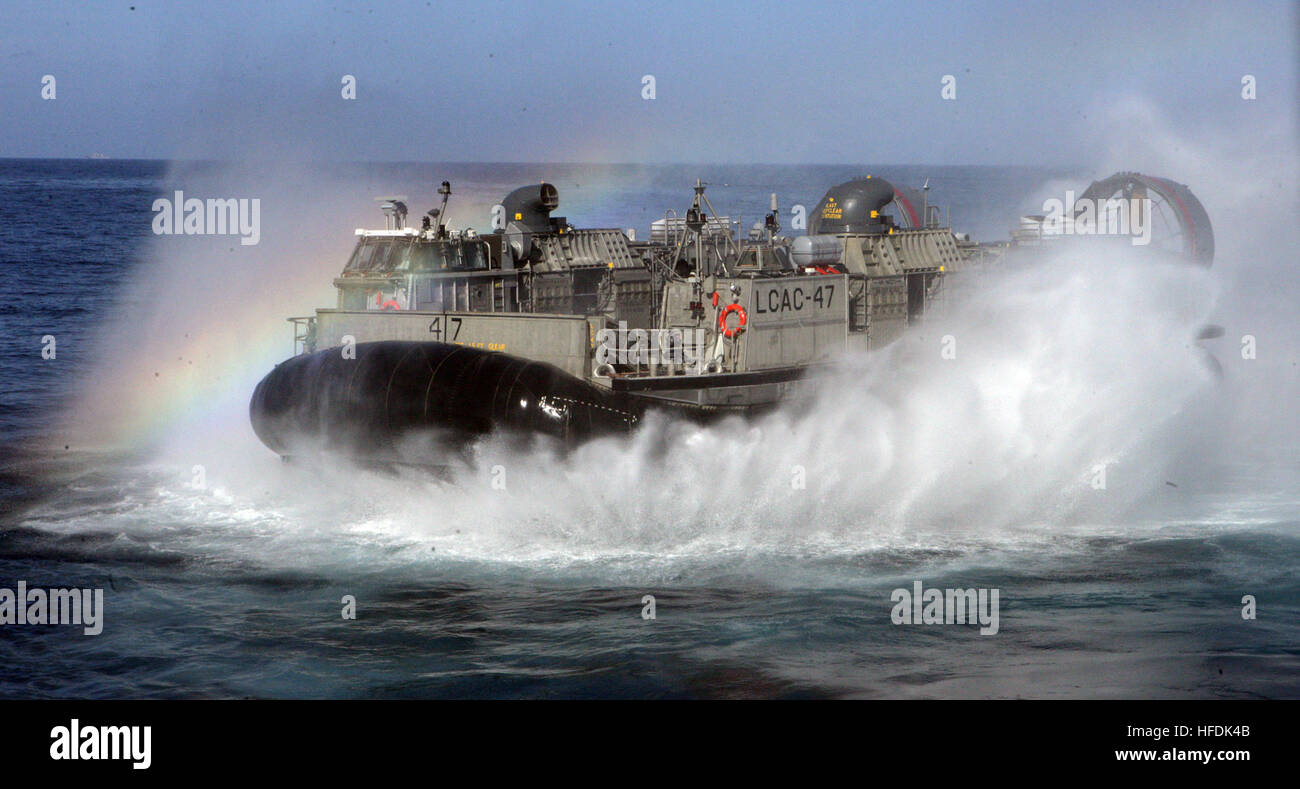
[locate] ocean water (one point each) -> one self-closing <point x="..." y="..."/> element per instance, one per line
<point x="771" y="547"/>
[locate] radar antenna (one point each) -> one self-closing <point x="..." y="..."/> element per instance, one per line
<point x="772" y="222"/>
<point x="438" y="215"/>
<point x="394" y="209"/>
<point x="697" y="222"/>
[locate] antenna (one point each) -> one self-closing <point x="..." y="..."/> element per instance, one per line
<point x="440" y="214"/>
<point x="394" y="209"/>
<point x="697" y="223"/>
<point x="925" y="203"/>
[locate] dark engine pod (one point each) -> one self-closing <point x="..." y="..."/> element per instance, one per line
<point x="531" y="206"/>
<point x="853" y="207"/>
<point x="362" y="405"/>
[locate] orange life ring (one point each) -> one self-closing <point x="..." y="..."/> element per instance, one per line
<point x="722" y="320"/>
<point x="391" y="304"/>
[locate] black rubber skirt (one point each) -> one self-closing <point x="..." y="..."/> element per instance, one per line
<point x="365" y="405"/>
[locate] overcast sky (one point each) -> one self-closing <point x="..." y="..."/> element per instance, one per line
<point x="539" y="81"/>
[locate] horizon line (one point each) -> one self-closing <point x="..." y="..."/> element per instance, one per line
<point x="91" y="158"/>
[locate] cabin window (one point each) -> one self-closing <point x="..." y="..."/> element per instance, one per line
<point x="474" y="256"/>
<point x="370" y="255"/>
<point x="782" y="256"/>
<point x="400" y="258"/>
<point x="380" y="261"/>
<point x="428" y="257"/>
<point x="448" y="256"/>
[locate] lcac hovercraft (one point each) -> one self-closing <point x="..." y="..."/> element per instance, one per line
<point x="540" y="327"/>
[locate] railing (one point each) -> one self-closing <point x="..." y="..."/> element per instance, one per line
<point x="304" y="334"/>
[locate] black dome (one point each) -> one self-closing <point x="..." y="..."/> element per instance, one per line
<point x="848" y="208"/>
